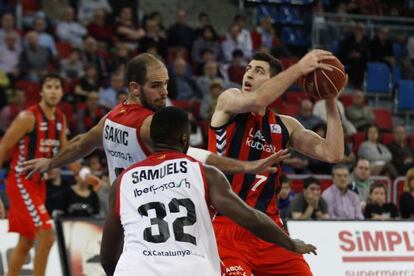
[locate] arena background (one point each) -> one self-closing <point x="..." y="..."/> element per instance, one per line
<point x="351" y="248"/>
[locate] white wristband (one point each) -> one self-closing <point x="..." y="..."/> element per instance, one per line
<point x="84" y="172"/>
<point x="199" y="154"/>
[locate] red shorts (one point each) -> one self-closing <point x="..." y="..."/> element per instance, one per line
<point x="242" y="253"/>
<point x="27" y="206"/>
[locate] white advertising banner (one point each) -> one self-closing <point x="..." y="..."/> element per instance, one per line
<point x="358" y="248"/>
<point x="9" y="240"/>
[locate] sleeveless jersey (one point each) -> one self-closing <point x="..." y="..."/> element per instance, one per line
<point x="250" y="137"/>
<point x="121" y="140"/>
<point x="44" y="140"/>
<point x="163" y="207"/>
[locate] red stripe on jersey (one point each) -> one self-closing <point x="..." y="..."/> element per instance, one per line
<point x="131" y="115"/>
<point x="250" y="137"/>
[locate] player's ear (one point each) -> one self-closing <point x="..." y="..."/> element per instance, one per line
<point x="185" y="140"/>
<point x="135" y="88"/>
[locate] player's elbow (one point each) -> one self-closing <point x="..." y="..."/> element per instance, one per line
<point x="335" y="157"/>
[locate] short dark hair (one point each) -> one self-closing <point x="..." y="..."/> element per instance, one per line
<point x="309" y="181"/>
<point x="168" y="125"/>
<point x="137" y="67"/>
<point x="284" y="179"/>
<point x="377" y="185"/>
<point x="275" y="65"/>
<point x="49" y="77"/>
<point x="339" y="166"/>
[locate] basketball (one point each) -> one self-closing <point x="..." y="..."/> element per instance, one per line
<point x="323" y="84"/>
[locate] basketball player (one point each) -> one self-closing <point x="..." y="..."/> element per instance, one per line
<point x="160" y="210"/>
<point x="124" y="132"/>
<point x="243" y="127"/>
<point x="37" y="132"/>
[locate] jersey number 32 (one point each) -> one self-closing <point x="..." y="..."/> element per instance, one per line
<point x="178" y="224"/>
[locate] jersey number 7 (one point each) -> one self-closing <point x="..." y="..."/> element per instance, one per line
<point x="178" y="224"/>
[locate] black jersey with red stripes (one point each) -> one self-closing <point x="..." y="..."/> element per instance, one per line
<point x="44" y="140"/>
<point x="250" y="137"/>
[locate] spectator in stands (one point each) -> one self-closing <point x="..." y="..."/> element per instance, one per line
<point x="9" y="112"/>
<point x="87" y="117"/>
<point x="100" y="29"/>
<point x="68" y="30"/>
<point x="156" y="16"/>
<point x="305" y="117"/>
<point x="286" y="196"/>
<point x="87" y="8"/>
<point x="87" y="83"/>
<point x="71" y="68"/>
<point x="349" y="155"/>
<point x="319" y="110"/>
<point x="127" y="30"/>
<point x="211" y="74"/>
<point x="342" y="202"/>
<point x="208" y="39"/>
<point x="8" y="27"/>
<point x="45" y="39"/>
<point x="377" y="207"/>
<point x="360" y="115"/>
<point x="403" y="155"/>
<point x="180" y="34"/>
<point x="54" y="187"/>
<point x="354" y="52"/>
<point x="92" y="55"/>
<point x="237" y="67"/>
<point x="309" y="204"/>
<point x="264" y="35"/>
<point x="196" y="135"/>
<point x="181" y="87"/>
<point x="376" y="153"/>
<point x="10" y="55"/>
<point x="245" y="37"/>
<point x="407" y="197"/>
<point x="203" y="20"/>
<point x="78" y="200"/>
<point x="360" y="182"/>
<point x="209" y="101"/>
<point x="35" y="59"/>
<point x="381" y="47"/>
<point x="119" y="58"/>
<point x="55" y="9"/>
<point x="107" y="97"/>
<point x="232" y="43"/>
<point x="153" y="38"/>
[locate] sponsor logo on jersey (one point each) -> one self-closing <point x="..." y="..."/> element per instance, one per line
<point x="275" y="128"/>
<point x="119" y="154"/>
<point x="116" y="135"/>
<point x="47" y="145"/>
<point x="167" y="253"/>
<point x="257" y="141"/>
<point x="183" y="183"/>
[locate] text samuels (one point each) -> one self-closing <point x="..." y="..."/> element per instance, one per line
<point x="159" y="173"/>
<point x="257" y="141"/>
<point x="116" y="135"/>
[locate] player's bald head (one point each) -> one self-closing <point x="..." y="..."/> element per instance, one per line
<point x="139" y="66"/>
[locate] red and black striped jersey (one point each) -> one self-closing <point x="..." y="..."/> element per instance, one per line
<point x="44" y="140"/>
<point x="250" y="137"/>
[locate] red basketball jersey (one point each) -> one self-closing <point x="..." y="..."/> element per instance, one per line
<point x="250" y="137"/>
<point x="44" y="140"/>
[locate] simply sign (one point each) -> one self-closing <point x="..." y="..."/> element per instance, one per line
<point x="358" y="248"/>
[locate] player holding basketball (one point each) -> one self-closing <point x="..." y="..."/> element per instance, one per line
<point x="37" y="132"/>
<point x="124" y="132"/>
<point x="160" y="208"/>
<point x="244" y="127"/>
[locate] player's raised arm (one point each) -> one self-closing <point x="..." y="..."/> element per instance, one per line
<point x="233" y="101"/>
<point x="78" y="147"/>
<point x="329" y="149"/>
<point x="227" y="203"/>
<point x="113" y="234"/>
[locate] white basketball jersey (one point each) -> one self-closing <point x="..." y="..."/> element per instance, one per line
<point x="166" y="220"/>
<point x="120" y="137"/>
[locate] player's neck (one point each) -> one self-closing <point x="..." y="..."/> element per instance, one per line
<point x="164" y="147"/>
<point x="133" y="100"/>
<point x="49" y="111"/>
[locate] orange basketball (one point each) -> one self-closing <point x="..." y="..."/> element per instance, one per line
<point x="323" y="84"/>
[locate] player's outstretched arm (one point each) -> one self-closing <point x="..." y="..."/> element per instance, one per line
<point x="113" y="235"/>
<point x="78" y="147"/>
<point x="227" y="203"/>
<point x="230" y="165"/>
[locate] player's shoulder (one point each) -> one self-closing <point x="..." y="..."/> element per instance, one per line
<point x="231" y="92"/>
<point x="26" y="116"/>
